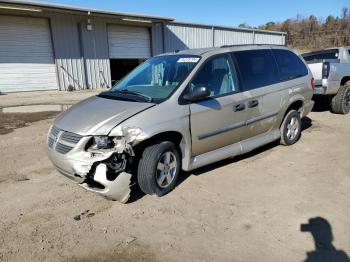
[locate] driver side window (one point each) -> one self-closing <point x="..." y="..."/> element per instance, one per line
<point x="218" y="76"/>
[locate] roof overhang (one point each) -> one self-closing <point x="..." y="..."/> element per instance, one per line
<point x="39" y="6"/>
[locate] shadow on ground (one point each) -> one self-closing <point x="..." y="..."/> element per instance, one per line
<point x="322" y="104"/>
<point x="321" y="231"/>
<point x="137" y="194"/>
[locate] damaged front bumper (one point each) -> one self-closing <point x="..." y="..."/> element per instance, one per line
<point x="92" y="171"/>
<point x="118" y="189"/>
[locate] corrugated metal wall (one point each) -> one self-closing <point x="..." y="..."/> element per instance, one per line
<point x="157" y="38"/>
<point x="95" y="51"/>
<point x="179" y="36"/>
<point x="68" y="57"/>
<point x="232" y="37"/>
<point x="82" y="55"/>
<point x="263" y="38"/>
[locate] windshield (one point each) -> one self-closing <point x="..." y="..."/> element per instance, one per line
<point x="157" y="78"/>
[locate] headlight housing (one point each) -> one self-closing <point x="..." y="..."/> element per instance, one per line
<point x="102" y="142"/>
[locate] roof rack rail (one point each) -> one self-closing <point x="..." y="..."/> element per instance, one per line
<point x="225" y="46"/>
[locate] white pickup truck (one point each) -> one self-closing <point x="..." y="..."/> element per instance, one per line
<point x="331" y="71"/>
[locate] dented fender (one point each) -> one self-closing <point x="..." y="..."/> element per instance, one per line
<point x="129" y="135"/>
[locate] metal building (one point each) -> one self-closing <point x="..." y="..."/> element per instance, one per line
<point x="46" y="46"/>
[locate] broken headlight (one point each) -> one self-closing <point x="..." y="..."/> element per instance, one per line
<point x="103" y="142"/>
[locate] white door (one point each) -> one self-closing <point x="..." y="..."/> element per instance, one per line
<point x="129" y="42"/>
<point x="26" y="56"/>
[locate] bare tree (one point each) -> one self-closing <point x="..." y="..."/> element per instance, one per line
<point x="315" y="33"/>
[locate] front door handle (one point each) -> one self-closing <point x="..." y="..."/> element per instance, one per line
<point x="253" y="103"/>
<point x="239" y="107"/>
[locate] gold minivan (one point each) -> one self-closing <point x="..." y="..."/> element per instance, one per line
<point x="180" y="111"/>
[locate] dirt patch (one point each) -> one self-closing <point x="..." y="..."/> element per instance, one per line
<point x="122" y="253"/>
<point x="249" y="208"/>
<point x="11" y="121"/>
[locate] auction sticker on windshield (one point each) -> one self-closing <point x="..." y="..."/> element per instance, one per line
<point x="188" y="60"/>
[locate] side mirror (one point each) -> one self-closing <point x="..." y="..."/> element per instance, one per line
<point x="198" y="93"/>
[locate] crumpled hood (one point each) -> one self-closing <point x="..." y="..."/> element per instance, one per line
<point x="97" y="115"/>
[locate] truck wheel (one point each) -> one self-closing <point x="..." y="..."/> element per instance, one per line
<point x="341" y="102"/>
<point x="159" y="168"/>
<point x="290" y="128"/>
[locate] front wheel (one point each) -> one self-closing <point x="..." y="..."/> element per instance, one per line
<point x="159" y="168"/>
<point x="290" y="128"/>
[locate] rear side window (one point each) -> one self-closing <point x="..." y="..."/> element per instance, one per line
<point x="321" y="55"/>
<point x="289" y="64"/>
<point x="257" y="68"/>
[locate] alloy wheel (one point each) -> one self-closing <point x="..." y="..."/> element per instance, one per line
<point x="166" y="169"/>
<point x="293" y="128"/>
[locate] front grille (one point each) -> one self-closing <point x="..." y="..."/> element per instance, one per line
<point x="62" y="141"/>
<point x="63" y="149"/>
<point x="71" y="137"/>
<point x="55" y="131"/>
<point x="50" y="142"/>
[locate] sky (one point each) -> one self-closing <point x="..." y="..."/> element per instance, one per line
<point x="220" y="12"/>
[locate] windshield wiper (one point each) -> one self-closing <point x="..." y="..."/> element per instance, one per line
<point x="145" y="97"/>
<point x="118" y="95"/>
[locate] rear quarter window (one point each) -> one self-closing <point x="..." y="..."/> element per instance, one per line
<point x="289" y="64"/>
<point x="257" y="68"/>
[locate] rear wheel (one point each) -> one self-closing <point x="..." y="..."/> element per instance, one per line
<point x="290" y="128"/>
<point x="340" y="103"/>
<point x="159" y="168"/>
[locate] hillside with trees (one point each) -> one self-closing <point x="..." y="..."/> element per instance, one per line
<point x="315" y="33"/>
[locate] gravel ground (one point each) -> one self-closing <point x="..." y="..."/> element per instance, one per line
<point x="249" y="208"/>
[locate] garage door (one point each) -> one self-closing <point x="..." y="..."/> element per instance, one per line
<point x="26" y="57"/>
<point x="129" y="42"/>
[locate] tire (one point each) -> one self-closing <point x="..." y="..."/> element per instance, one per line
<point x="153" y="160"/>
<point x="290" y="131"/>
<point x="340" y="103"/>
